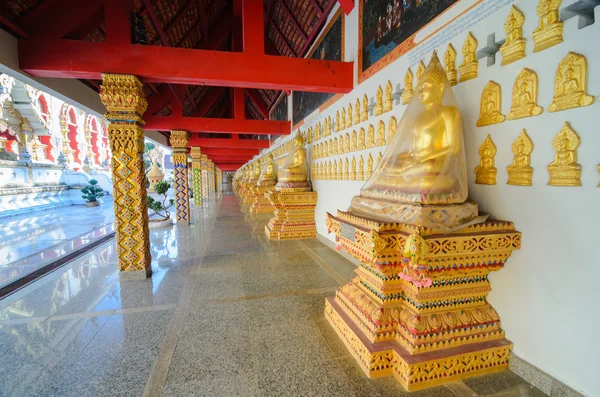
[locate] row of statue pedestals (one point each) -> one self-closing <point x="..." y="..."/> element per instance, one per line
<point x="417" y="308"/>
<point x="286" y="194"/>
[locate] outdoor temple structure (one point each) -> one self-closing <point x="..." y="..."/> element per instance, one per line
<point x="299" y="197"/>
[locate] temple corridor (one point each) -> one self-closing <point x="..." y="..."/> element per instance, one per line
<point x="225" y="313"/>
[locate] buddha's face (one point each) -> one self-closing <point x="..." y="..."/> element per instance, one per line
<point x="430" y="93"/>
<point x="520" y="148"/>
<point x="563" y="144"/>
<point x="569" y="74"/>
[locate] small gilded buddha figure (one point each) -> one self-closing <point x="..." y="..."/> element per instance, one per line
<point x="486" y="171"/>
<point x="371" y="136"/>
<point x="520" y="172"/>
<point x="255" y="173"/>
<point x="388" y="102"/>
<point x="420" y="70"/>
<point x="450" y="64"/>
<point x="380" y="134"/>
<point x="392" y="128"/>
<point x="364" y="114"/>
<point x="361" y="140"/>
<point x="378" y="110"/>
<point x="407" y="93"/>
<point x="514" y="47"/>
<point x="293" y="172"/>
<point x="361" y="169"/>
<point x="347" y="143"/>
<point x="565" y="170"/>
<point x="268" y="177"/>
<point x="524" y="96"/>
<point x="353" y="146"/>
<point x="343" y="120"/>
<point x="491" y="99"/>
<point x="357" y="111"/>
<point x="349" y="116"/>
<point x="369" y="171"/>
<point x="353" y="169"/>
<point x="337" y="121"/>
<point x="468" y="69"/>
<point x="550" y="30"/>
<point x="570" y="84"/>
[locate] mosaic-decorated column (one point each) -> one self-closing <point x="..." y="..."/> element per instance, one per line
<point x="204" y="163"/>
<point x="211" y="174"/>
<point x="126" y="138"/>
<point x="196" y="154"/>
<point x="179" y="142"/>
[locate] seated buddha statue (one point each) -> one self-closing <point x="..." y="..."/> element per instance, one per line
<point x="570" y="84"/>
<point x="550" y="30"/>
<point x="293" y="171"/>
<point x="423" y="170"/>
<point x="520" y="172"/>
<point x="565" y="170"/>
<point x="268" y="176"/>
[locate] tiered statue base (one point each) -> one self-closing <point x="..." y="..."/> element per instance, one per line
<point x="426" y="330"/>
<point x="294" y="215"/>
<point x="259" y="204"/>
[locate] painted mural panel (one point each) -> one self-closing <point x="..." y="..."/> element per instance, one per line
<point x="387" y="29"/>
<point x="330" y="46"/>
<point x="280" y="111"/>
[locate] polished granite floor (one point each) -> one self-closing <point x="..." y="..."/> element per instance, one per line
<point x="226" y="313"/>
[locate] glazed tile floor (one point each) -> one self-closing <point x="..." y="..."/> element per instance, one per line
<point x="226" y="313"/>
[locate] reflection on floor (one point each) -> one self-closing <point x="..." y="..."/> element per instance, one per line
<point x="226" y="313"/>
<point x="31" y="241"/>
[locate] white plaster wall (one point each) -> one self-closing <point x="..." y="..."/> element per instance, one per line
<point x="546" y="295"/>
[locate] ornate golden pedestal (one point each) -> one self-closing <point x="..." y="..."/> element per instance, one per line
<point x="430" y="325"/>
<point x="294" y="215"/>
<point x="260" y="204"/>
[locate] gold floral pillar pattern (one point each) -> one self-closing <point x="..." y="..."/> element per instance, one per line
<point x="126" y="103"/>
<point x="204" y="176"/>
<point x="179" y="141"/>
<point x="196" y="154"/>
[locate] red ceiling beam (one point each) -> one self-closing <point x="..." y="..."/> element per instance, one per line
<point x="259" y="102"/>
<point x="228" y="167"/>
<point x="217" y="125"/>
<point x="202" y="19"/>
<point x="88" y="60"/>
<point x="347" y="5"/>
<point x="220" y="152"/>
<point x="293" y="19"/>
<point x="253" y="26"/>
<point x="230" y="157"/>
<point x="238" y="103"/>
<point x="118" y="27"/>
<point x="228" y="143"/>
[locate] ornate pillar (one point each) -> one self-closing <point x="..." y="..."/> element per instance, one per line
<point x="196" y="153"/>
<point x="205" y="188"/>
<point x="126" y="138"/>
<point x="179" y="142"/>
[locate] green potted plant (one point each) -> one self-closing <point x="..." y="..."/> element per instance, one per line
<point x="160" y="208"/>
<point x="91" y="193"/>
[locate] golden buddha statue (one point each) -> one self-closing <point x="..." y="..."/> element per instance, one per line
<point x="327" y="126"/>
<point x="550" y="30"/>
<point x="570" y="84"/>
<point x="388" y="102"/>
<point x="380" y="134"/>
<point x="450" y="64"/>
<point x="422" y="174"/>
<point x="392" y="128"/>
<point x="364" y="114"/>
<point x="491" y="99"/>
<point x="565" y="170"/>
<point x="347" y="143"/>
<point x="349" y="116"/>
<point x="524" y="96"/>
<point x="598" y="168"/>
<point x="255" y="173"/>
<point x="361" y="168"/>
<point x="330" y="151"/>
<point x="361" y="140"/>
<point x="293" y="171"/>
<point x="520" y="172"/>
<point x="420" y="70"/>
<point x="378" y="109"/>
<point x="369" y="171"/>
<point x="346" y="174"/>
<point x="335" y="171"/>
<point x="407" y="93"/>
<point x="268" y="177"/>
<point x="371" y="136"/>
<point x="318" y="131"/>
<point x="468" y="69"/>
<point x="343" y="120"/>
<point x="378" y="160"/>
<point x="353" y="143"/>
<point x="340" y="173"/>
<point x="337" y="122"/>
<point x="335" y="147"/>
<point x="353" y="169"/>
<point x="486" y="171"/>
<point x="514" y="47"/>
<point x="357" y="112"/>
